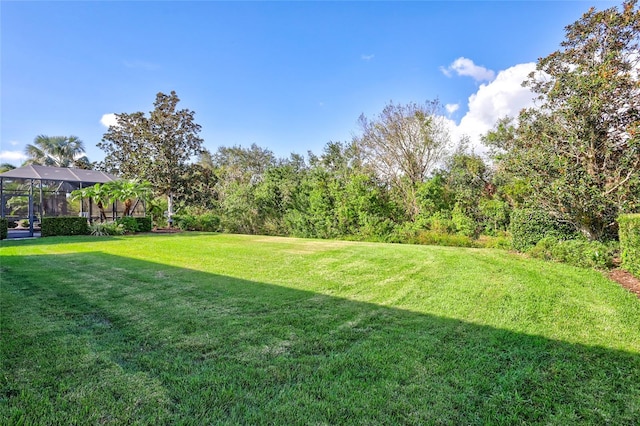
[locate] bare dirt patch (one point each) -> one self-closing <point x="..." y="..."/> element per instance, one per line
<point x="626" y="280"/>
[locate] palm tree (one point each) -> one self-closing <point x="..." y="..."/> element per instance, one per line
<point x="56" y="151"/>
<point x="128" y="190"/>
<point x="99" y="193"/>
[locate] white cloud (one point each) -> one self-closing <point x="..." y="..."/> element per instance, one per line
<point x="451" y="108"/>
<point x="367" y="57"/>
<point x="12" y="156"/>
<point x="109" y="120"/>
<point x="445" y="71"/>
<point x="466" y="67"/>
<point x="503" y="97"/>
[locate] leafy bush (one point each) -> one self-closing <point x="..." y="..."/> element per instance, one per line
<point x="144" y="224"/>
<point x="129" y="224"/>
<point x="409" y="233"/>
<point x="582" y="253"/>
<point x="464" y="224"/>
<point x="629" y="233"/>
<point x="12" y="224"/>
<point x="528" y="226"/>
<point x="441" y="223"/>
<point x="208" y="222"/>
<point x="205" y="222"/>
<point x="404" y="233"/>
<point x="4" y="226"/>
<point x="64" y="225"/>
<point x="499" y="241"/>
<point x="375" y="228"/>
<point x="186" y="222"/>
<point x="107" y="228"/>
<point x="495" y="215"/>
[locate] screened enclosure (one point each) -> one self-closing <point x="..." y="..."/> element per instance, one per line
<point x="32" y="192"/>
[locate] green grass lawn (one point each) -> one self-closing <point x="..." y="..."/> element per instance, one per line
<point x="227" y="329"/>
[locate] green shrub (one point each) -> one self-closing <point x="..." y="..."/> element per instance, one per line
<point x="408" y="233"/>
<point x="374" y="228"/>
<point x="582" y="253"/>
<point x="464" y="224"/>
<point x="106" y="228"/>
<point x="403" y="233"/>
<point x="629" y="233"/>
<point x="495" y="215"/>
<point x="129" y="224"/>
<point x="528" y="226"/>
<point x="205" y="222"/>
<point x="441" y="223"/>
<point x="543" y="249"/>
<point x="186" y="222"/>
<point x="440" y="239"/>
<point x="4" y="227"/>
<point x="208" y="222"/>
<point x="144" y="224"/>
<point x="12" y="224"/>
<point x="64" y="225"/>
<point x="501" y="240"/>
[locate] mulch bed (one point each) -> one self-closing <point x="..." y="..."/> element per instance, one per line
<point x="626" y="280"/>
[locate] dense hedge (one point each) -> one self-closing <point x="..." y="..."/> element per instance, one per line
<point x="203" y="222"/>
<point x="4" y="226"/>
<point x="630" y="242"/>
<point x="129" y="224"/>
<point x="582" y="253"/>
<point x="144" y="224"/>
<point x="132" y="224"/>
<point x="64" y="225"/>
<point x="528" y="226"/>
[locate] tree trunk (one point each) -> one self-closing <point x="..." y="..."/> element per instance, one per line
<point x="103" y="215"/>
<point x="170" y="209"/>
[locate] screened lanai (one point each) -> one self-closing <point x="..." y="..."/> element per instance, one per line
<point x="32" y="192"/>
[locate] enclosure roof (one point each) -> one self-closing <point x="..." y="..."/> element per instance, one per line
<point x="64" y="174"/>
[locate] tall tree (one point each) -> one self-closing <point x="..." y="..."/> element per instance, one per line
<point x="239" y="171"/>
<point x="157" y="148"/>
<point x="57" y="151"/>
<point x="279" y="192"/>
<point x="241" y="164"/>
<point x="579" y="151"/>
<point x="403" y="144"/>
<point x="467" y="179"/>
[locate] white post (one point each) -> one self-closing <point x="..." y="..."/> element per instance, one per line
<point x="170" y="209"/>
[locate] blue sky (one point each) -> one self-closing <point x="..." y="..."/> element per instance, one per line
<point x="288" y="76"/>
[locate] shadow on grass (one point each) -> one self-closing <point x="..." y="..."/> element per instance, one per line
<point x="97" y="338"/>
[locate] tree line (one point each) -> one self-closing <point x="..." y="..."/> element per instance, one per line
<point x="574" y="157"/>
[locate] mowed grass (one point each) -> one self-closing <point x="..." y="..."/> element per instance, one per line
<point x="227" y="329"/>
